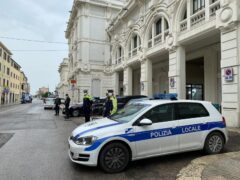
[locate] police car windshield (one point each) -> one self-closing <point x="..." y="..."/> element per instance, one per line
<point x="128" y="112"/>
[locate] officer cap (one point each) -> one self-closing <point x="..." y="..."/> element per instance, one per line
<point x="110" y="91"/>
<point x="85" y="91"/>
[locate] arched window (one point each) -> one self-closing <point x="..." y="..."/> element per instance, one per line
<point x="158" y="32"/>
<point x="134" y="45"/>
<point x="198" y="5"/>
<point x="158" y="27"/>
<point x="119" y="55"/>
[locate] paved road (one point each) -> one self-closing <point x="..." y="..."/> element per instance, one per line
<point x="33" y="145"/>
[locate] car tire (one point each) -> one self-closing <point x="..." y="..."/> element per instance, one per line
<point x="214" y="143"/>
<point x="114" y="158"/>
<point x="75" y="113"/>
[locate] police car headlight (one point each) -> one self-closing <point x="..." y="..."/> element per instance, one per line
<point x="86" y="141"/>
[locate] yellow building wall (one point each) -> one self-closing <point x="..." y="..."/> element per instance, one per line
<point x="9" y="78"/>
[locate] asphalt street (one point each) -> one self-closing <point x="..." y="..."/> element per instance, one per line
<point x="33" y="145"/>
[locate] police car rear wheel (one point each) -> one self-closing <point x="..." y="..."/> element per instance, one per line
<point x="114" y="158"/>
<point x="214" y="143"/>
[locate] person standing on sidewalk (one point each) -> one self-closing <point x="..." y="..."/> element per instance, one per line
<point x="114" y="102"/>
<point x="87" y="106"/>
<point x="57" y="103"/>
<point x="67" y="104"/>
<point x="111" y="104"/>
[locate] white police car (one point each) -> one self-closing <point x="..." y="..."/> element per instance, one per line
<point x="146" y="129"/>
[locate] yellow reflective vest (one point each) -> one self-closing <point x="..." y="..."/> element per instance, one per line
<point x="114" y="103"/>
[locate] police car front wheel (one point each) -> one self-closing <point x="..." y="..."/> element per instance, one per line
<point x="214" y="143"/>
<point x="114" y="158"/>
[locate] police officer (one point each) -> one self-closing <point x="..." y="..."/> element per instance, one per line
<point x="57" y="103"/>
<point x="67" y="104"/>
<point x="87" y="105"/>
<point x="114" y="102"/>
<point x="110" y="104"/>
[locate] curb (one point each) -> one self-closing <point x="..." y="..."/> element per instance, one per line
<point x="194" y="170"/>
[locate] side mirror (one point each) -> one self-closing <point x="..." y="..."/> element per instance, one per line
<point x="145" y="122"/>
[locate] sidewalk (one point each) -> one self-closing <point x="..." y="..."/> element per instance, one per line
<point x="215" y="167"/>
<point x="8" y="105"/>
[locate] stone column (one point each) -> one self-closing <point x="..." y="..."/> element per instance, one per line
<point x="177" y="72"/>
<point x="230" y="54"/>
<point x="210" y="75"/>
<point x="127" y="80"/>
<point x="116" y="82"/>
<point x="146" y="77"/>
<point x="227" y="20"/>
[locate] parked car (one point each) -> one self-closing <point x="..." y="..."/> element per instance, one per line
<point x="98" y="106"/>
<point x="76" y="110"/>
<point x="26" y="98"/>
<point x="147" y="129"/>
<point x="49" y="103"/>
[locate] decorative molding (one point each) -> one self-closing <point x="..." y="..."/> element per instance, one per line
<point x="85" y="68"/>
<point x="108" y="69"/>
<point x="228" y="16"/>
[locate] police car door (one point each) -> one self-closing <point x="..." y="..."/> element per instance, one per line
<point x="157" y="138"/>
<point x="193" y="119"/>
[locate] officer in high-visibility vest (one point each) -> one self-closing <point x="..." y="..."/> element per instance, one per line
<point x="114" y="102"/>
<point x="87" y="105"/>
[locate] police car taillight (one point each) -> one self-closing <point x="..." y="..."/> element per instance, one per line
<point x="224" y="120"/>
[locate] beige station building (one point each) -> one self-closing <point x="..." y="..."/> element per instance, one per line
<point x="187" y="47"/>
<point x="13" y="81"/>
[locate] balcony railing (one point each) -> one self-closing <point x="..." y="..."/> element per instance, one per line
<point x="183" y="25"/>
<point x="149" y="43"/>
<point x="158" y="39"/>
<point x="119" y="60"/>
<point x="213" y="8"/>
<point x="198" y="17"/>
<point x="134" y="51"/>
<point x="166" y="32"/>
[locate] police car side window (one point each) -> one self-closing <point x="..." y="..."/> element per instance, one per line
<point x="191" y="110"/>
<point x="160" y="113"/>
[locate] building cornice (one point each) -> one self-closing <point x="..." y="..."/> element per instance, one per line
<point x="123" y="13"/>
<point x="5" y="48"/>
<point x="78" y="3"/>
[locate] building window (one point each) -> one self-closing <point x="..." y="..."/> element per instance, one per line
<point x="134" y="45"/>
<point x="185" y="15"/>
<point x="198" y="5"/>
<point x="135" y="41"/>
<point x="8" y="71"/>
<point x="158" y="27"/>
<point x="119" y="55"/>
<point x="5" y="56"/>
<point x="0" y="52"/>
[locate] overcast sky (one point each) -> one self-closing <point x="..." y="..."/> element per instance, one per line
<point x="38" y="20"/>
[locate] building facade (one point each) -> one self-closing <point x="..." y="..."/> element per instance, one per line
<point x="89" y="47"/>
<point x="188" y="47"/>
<point x="10" y="77"/>
<point x="25" y="86"/>
<point x="63" y="87"/>
<point x="43" y="90"/>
